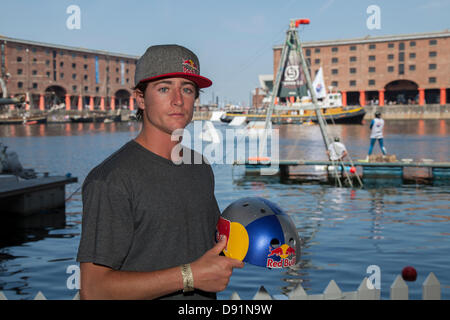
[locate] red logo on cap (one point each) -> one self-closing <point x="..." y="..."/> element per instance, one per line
<point x="189" y="66"/>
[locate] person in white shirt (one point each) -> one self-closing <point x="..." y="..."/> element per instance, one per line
<point x="376" y="133"/>
<point x="336" y="150"/>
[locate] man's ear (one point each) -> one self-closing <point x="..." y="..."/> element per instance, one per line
<point x="139" y="96"/>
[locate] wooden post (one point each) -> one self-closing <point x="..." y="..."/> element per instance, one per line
<point x="332" y="292"/>
<point x="399" y="289"/>
<point x="40" y="296"/>
<point x="431" y="288"/>
<point x="298" y="293"/>
<point x="364" y="293"/>
<point x="235" y="296"/>
<point x="262" y="294"/>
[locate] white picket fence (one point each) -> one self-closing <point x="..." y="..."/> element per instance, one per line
<point x="39" y="296"/>
<point x="431" y="290"/>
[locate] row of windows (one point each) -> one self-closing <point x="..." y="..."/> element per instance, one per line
<point x="74" y="65"/>
<point x="373" y="46"/>
<point x="62" y="53"/>
<point x="401" y="57"/>
<point x="61" y="75"/>
<point x="74" y="87"/>
<point x="372" y="82"/>
<point x="412" y="67"/>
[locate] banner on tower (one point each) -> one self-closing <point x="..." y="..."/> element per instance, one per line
<point x="293" y="81"/>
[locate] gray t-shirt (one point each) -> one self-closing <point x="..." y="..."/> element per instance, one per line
<point x="142" y="212"/>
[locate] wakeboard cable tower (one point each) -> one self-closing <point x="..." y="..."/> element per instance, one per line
<point x="293" y="44"/>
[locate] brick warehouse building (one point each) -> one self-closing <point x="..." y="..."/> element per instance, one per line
<point x="52" y="74"/>
<point x="403" y="69"/>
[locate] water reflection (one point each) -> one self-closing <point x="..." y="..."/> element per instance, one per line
<point x="376" y="212"/>
<point x="66" y="129"/>
<point x="16" y="231"/>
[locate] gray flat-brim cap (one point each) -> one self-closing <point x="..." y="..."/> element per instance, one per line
<point x="168" y="61"/>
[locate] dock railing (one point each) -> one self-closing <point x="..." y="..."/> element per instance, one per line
<point x="431" y="290"/>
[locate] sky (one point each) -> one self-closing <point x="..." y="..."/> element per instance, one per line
<point x="233" y="39"/>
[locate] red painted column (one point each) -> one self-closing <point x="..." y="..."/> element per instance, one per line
<point x="102" y="103"/>
<point x="421" y="96"/>
<point x="362" y="98"/>
<point x="27" y="102"/>
<point x="113" y="103"/>
<point x="131" y="103"/>
<point x="381" y="97"/>
<point x="41" y="102"/>
<point x="91" y="103"/>
<point x="80" y="103"/>
<point x="12" y="106"/>
<point x="443" y="96"/>
<point x="67" y="102"/>
<point x="344" y="98"/>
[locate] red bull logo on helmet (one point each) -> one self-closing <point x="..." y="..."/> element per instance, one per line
<point x="281" y="257"/>
<point x="223" y="228"/>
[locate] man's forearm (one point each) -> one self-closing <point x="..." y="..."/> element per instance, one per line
<point x="103" y="283"/>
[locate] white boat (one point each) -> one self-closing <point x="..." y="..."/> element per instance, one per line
<point x="216" y="115"/>
<point x="237" y="121"/>
<point x="209" y="133"/>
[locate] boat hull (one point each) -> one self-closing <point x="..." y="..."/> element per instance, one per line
<point x="32" y="120"/>
<point x="351" y="116"/>
<point x="87" y="119"/>
<point x="345" y="118"/>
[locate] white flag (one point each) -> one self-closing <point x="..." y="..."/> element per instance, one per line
<point x="319" y="85"/>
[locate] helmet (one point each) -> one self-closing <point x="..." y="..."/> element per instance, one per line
<point x="377" y="114"/>
<point x="260" y="233"/>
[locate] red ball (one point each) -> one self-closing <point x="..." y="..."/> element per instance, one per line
<point x="409" y="273"/>
<point x="352" y="169"/>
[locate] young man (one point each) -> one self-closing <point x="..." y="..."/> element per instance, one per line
<point x="149" y="224"/>
<point x="376" y="133"/>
